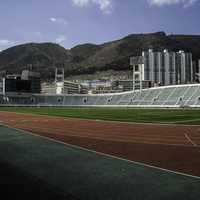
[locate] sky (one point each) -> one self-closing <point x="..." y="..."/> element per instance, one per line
<point x="73" y="22"/>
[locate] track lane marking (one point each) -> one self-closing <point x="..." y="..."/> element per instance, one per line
<point x="190" y="140"/>
<point x="165" y="143"/>
<point x="138" y="141"/>
<point x="185" y="121"/>
<point x="104" y="154"/>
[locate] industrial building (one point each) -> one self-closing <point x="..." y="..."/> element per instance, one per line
<point x="164" y="68"/>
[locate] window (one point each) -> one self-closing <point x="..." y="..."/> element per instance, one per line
<point x="136" y="68"/>
<point x="137" y="77"/>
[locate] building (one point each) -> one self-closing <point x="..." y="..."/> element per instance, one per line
<point x="48" y="88"/>
<point x="164" y="68"/>
<point x="65" y="87"/>
<point x="60" y="86"/>
<point x="127" y="85"/>
<point x="71" y="88"/>
<point x="34" y="78"/>
<point x="97" y="86"/>
<point x="27" y="82"/>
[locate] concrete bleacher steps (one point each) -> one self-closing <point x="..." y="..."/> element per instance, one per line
<point x="167" y="96"/>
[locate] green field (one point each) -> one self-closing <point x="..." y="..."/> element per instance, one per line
<point x="183" y="116"/>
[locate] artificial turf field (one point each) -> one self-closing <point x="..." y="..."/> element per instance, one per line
<point x="34" y="167"/>
<point x="179" y="116"/>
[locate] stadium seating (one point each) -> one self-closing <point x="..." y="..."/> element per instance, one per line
<point x="168" y="96"/>
<point x="126" y="98"/>
<point x="194" y="98"/>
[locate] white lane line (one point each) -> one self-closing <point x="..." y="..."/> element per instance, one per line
<point x="110" y="139"/>
<point x="189" y="120"/>
<point x="190" y="140"/>
<point x="107" y="155"/>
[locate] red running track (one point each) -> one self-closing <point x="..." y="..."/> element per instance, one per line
<point x="173" y="147"/>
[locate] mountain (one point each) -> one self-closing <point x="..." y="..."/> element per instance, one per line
<point x="91" y="58"/>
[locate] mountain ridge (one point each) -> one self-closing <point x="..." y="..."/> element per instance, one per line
<point x="90" y="58"/>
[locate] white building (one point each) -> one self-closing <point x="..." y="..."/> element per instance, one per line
<point x="165" y="68"/>
<point x="48" y="88"/>
<point x="65" y="87"/>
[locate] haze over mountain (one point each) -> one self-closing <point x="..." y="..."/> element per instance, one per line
<point x="91" y="58"/>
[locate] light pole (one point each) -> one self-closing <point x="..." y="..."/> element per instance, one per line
<point x="137" y="61"/>
<point x="133" y="78"/>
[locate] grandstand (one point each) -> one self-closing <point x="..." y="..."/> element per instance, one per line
<point x="167" y="96"/>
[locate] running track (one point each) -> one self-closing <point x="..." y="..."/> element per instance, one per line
<point x="173" y="147"/>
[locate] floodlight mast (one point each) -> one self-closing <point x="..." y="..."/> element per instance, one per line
<point x="133" y="78"/>
<point x="59" y="74"/>
<point x="137" y="61"/>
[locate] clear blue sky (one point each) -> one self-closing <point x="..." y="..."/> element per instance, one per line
<point x="72" y="22"/>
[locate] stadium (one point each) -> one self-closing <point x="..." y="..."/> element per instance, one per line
<point x="52" y="143"/>
<point x="104" y="146"/>
<point x="160" y="79"/>
<point x="96" y="106"/>
<point x="163" y="97"/>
